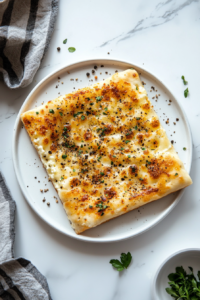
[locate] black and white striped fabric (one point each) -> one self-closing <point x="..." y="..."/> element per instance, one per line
<point x="19" y="279"/>
<point x="26" y="27"/>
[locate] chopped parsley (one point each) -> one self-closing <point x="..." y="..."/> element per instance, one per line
<point x="61" y="178"/>
<point x="184" y="148"/>
<point x="83" y="171"/>
<point x="71" y="49"/>
<point x="136" y="88"/>
<point x="138" y="118"/>
<point x="129" y="156"/>
<point x="136" y="127"/>
<point x="102" y="173"/>
<point x="148" y="162"/>
<point x="37" y="113"/>
<point x="51" y="111"/>
<point x="104" y="113"/>
<point x="99" y="158"/>
<point x="64" y="156"/>
<point x="176" y="174"/>
<point x="90" y="206"/>
<point x="186" y="92"/>
<point x="74" y="170"/>
<point x="184" y="81"/>
<point x="143" y="148"/>
<point x="127" y="141"/>
<point x="99" y="98"/>
<point x="130" y="108"/>
<point x="105" y="108"/>
<point x="77" y="114"/>
<point x="141" y="179"/>
<point x="83" y="118"/>
<point x="65" y="41"/>
<point x="114" y="155"/>
<point x="60" y="112"/>
<point x="121" y="149"/>
<point x="91" y="103"/>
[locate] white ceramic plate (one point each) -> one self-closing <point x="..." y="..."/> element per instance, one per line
<point x="185" y="258"/>
<point x="28" y="166"/>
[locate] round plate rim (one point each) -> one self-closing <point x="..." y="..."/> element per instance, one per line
<point x="14" y="146"/>
<point x="157" y="272"/>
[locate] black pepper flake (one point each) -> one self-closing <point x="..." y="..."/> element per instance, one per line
<point x="48" y="203"/>
<point x="95" y="67"/>
<point x="177" y="119"/>
<point x="50" y="152"/>
<point x="102" y="66"/>
<point x="58" y="48"/>
<point x="93" y="71"/>
<point x="88" y="74"/>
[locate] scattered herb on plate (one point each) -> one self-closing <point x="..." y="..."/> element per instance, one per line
<point x="65" y="41"/>
<point x="123" y="264"/>
<point x="184" y="81"/>
<point x="71" y="49"/>
<point x="186" y="92"/>
<point x="183" y="285"/>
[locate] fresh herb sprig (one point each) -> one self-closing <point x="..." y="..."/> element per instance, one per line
<point x="183" y="285"/>
<point x="124" y="263"/>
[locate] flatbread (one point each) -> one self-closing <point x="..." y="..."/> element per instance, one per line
<point x="105" y="150"/>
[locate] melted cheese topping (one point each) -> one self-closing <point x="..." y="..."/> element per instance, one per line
<point x="104" y="150"/>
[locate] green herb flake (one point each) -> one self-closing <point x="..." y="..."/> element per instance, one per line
<point x="64" y="156"/>
<point x="60" y="112"/>
<point x="104" y="113"/>
<point x="71" y="49"/>
<point x="61" y="178"/>
<point x="83" y="118"/>
<point x="130" y="108"/>
<point x="99" y="158"/>
<point x="90" y="206"/>
<point x="65" y="41"/>
<point x="37" y="112"/>
<point x="136" y="88"/>
<point x="176" y="174"/>
<point x="99" y="98"/>
<point x="141" y="179"/>
<point x="114" y="156"/>
<point x="74" y="170"/>
<point x="77" y="114"/>
<point x="143" y="148"/>
<point x="129" y="156"/>
<point x="127" y="141"/>
<point x="184" y="81"/>
<point x="121" y="149"/>
<point x="51" y="111"/>
<point x="186" y="92"/>
<point x="136" y="127"/>
<point x="102" y="173"/>
<point x="184" y="148"/>
<point x="105" y="108"/>
<point x="112" y="163"/>
<point x="123" y="264"/>
<point x="102" y="181"/>
<point x="138" y="118"/>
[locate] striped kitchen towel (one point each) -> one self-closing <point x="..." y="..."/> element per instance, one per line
<point x="19" y="279"/>
<point x="26" y="27"/>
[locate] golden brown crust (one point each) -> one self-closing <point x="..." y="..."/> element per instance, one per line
<point x="104" y="150"/>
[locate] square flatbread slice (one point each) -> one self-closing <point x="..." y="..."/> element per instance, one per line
<point x="105" y="150"/>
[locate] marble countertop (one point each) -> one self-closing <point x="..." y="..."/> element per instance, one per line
<point x="163" y="36"/>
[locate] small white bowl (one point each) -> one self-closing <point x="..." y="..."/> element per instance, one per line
<point x="187" y="257"/>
